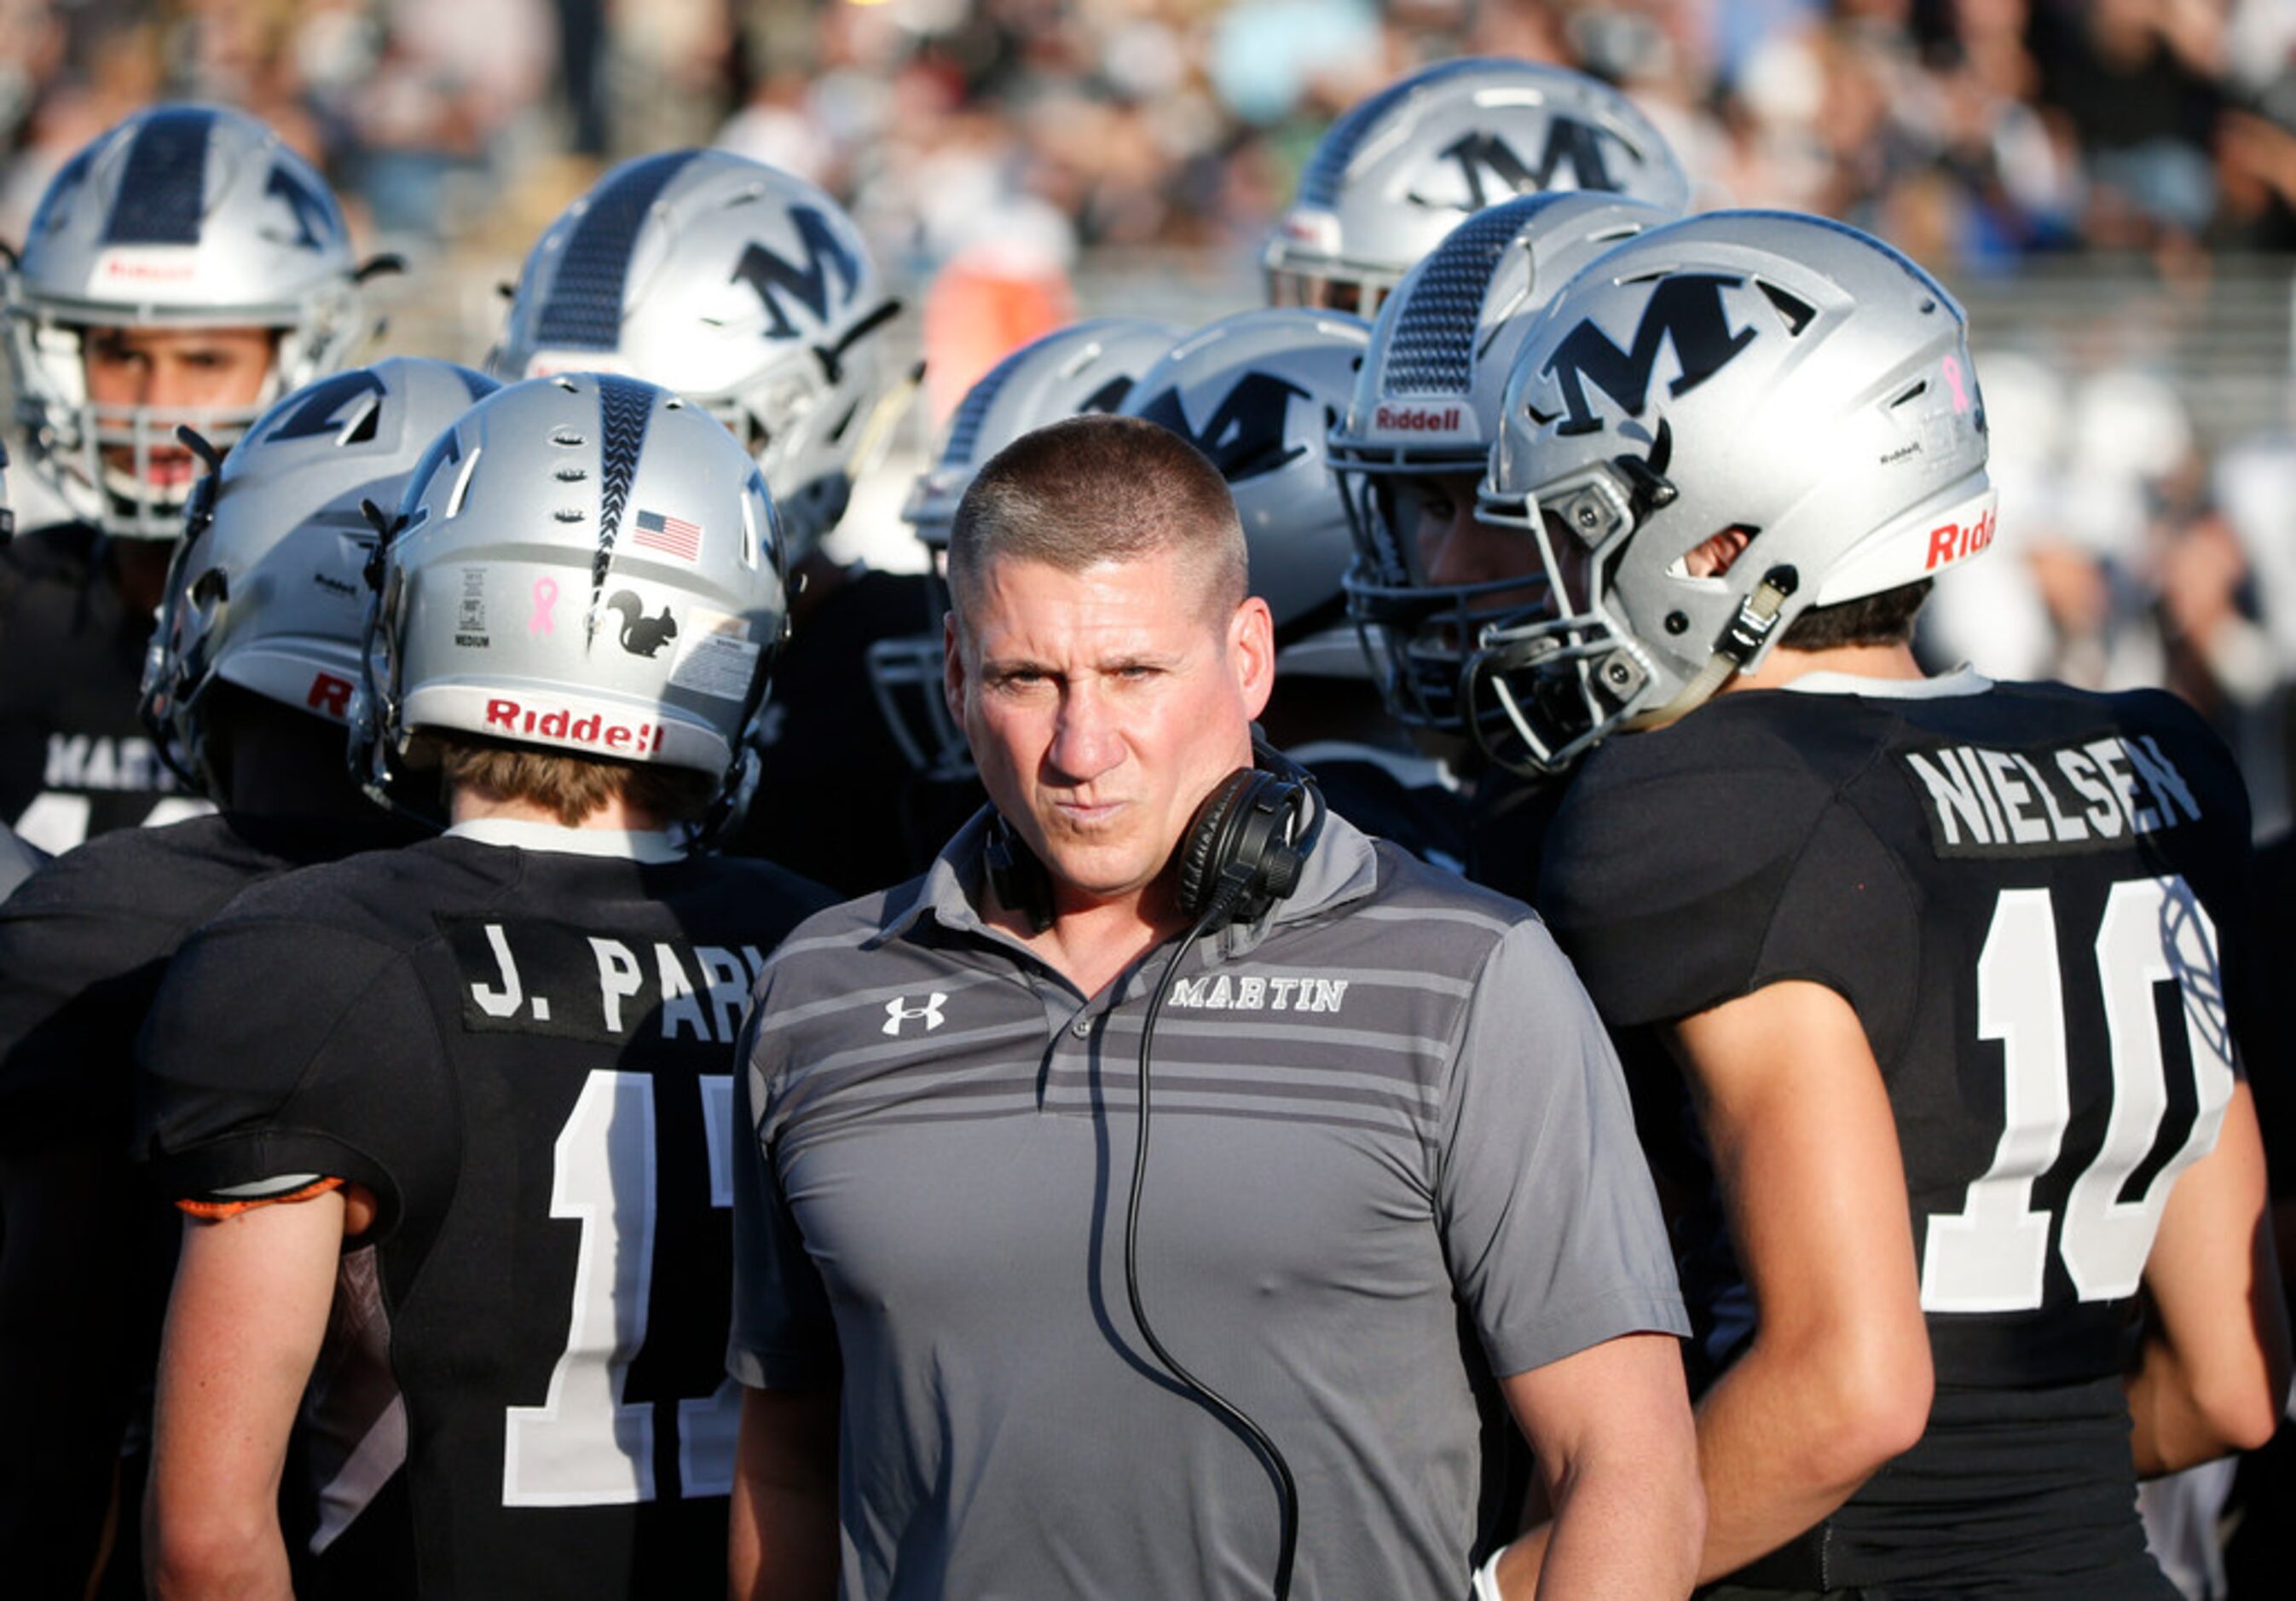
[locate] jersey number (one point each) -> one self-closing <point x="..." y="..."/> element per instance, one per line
<point x="584" y="1445"/>
<point x="1992" y="1255"/>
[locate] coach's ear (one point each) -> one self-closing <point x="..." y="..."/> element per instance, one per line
<point x="1251" y="652"/>
<point x="952" y="668"/>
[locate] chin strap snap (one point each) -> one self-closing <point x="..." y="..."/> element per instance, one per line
<point x="1742" y="640"/>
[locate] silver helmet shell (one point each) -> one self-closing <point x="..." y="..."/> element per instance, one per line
<point x="1391" y="178"/>
<point x="1088" y="366"/>
<point x="1777" y="374"/>
<point x="745" y="289"/>
<point x="266" y="589"/>
<point x="585" y="564"/>
<point x="181" y="216"/>
<point x="1258" y="392"/>
<point x="1428" y="401"/>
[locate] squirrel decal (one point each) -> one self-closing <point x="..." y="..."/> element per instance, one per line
<point x="642" y="635"/>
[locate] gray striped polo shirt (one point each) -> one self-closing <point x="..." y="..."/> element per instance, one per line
<point x="1392" y="1155"/>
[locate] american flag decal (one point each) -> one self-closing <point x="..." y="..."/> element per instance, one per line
<point x="671" y="535"/>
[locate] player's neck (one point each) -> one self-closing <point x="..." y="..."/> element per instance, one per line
<point x="1784" y="666"/>
<point x="466" y="805"/>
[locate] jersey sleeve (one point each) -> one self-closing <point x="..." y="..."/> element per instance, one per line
<point x="281" y="1053"/>
<point x="1678" y="892"/>
<point x="1550" y="1221"/>
<point x="81" y="968"/>
<point x="784" y="1336"/>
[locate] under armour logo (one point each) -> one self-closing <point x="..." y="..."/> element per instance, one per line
<point x="897" y="1011"/>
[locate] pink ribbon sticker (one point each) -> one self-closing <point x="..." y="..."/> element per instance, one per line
<point x="546" y="596"/>
<point x="1953" y="381"/>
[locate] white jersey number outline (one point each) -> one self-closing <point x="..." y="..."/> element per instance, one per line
<point x="584" y="1446"/>
<point x="1992" y="1255"/>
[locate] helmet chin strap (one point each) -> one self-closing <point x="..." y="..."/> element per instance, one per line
<point x="1741" y="641"/>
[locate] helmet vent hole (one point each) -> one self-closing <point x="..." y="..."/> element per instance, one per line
<point x="565" y="384"/>
<point x="1797" y="311"/>
<point x="1914" y="392"/>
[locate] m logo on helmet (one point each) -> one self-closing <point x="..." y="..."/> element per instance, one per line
<point x="1686" y="309"/>
<point x="324" y="407"/>
<point x="1578" y="145"/>
<point x="416" y="502"/>
<point x="773" y="277"/>
<point x="1244" y="435"/>
<point x="314" y="221"/>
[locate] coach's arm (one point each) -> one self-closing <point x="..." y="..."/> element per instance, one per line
<point x="783" y="1540"/>
<point x="1617" y="1459"/>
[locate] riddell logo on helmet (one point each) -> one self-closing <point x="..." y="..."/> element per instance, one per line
<point x="1957" y="541"/>
<point x="148" y="267"/>
<point x="1418" y="419"/>
<point x="628" y="739"/>
<point x="331" y="695"/>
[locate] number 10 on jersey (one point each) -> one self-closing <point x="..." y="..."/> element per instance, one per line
<point x="1992" y="1255"/>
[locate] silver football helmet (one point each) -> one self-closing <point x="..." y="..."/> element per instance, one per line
<point x="1258" y="392"/>
<point x="1756" y="374"/>
<point x="266" y="589"/>
<point x="1427" y="401"/>
<point x="747" y="290"/>
<point x="584" y="563"/>
<point x="1397" y="172"/>
<point x="181" y="217"/>
<point x="1087" y="367"/>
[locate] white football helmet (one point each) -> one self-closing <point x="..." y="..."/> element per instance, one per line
<point x="181" y="217"/>
<point x="1776" y="375"/>
<point x="584" y="563"/>
<point x="1397" y="172"/>
<point x="266" y="590"/>
<point x="745" y="289"/>
<point x="1258" y="392"/>
<point x="1087" y="367"/>
<point x="1428" y="401"/>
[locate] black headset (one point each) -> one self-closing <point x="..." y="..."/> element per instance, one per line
<point x="1242" y="851"/>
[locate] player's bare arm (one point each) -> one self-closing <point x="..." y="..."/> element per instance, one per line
<point x="244" y="1326"/>
<point x="2213" y="1375"/>
<point x="1838" y="1379"/>
<point x="784" y="1533"/>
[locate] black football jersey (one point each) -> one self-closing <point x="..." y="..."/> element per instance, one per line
<point x="82" y="949"/>
<point x="1508" y="816"/>
<point x="75" y="761"/>
<point x="1392" y="797"/>
<point x="527" y="1057"/>
<point x="18" y="861"/>
<point x="837" y="800"/>
<point x="2036" y="900"/>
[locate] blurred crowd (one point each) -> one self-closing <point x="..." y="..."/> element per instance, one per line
<point x="1975" y="132"/>
<point x="1037" y="142"/>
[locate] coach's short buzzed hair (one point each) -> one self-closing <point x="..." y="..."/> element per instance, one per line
<point x="1099" y="489"/>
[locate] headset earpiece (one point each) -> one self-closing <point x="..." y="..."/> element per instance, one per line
<point x="1249" y="841"/>
<point x="1254" y="832"/>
